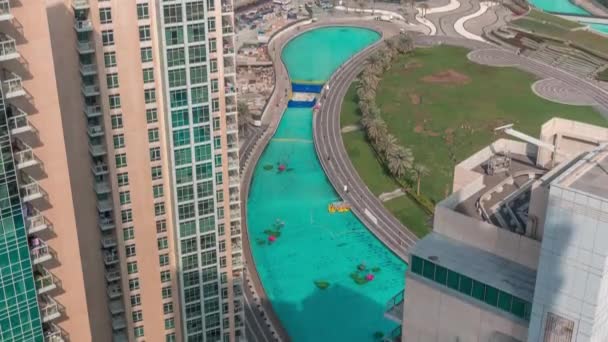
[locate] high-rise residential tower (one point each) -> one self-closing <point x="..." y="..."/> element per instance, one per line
<point x="120" y="171"/>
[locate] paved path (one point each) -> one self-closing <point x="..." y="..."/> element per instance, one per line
<point x="459" y="24"/>
<point x="557" y="91"/>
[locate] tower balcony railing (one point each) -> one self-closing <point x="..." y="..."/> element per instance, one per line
<point x="25" y="157"/>
<point x="118" y="323"/>
<point x="12" y="85"/>
<point x="234" y="180"/>
<point x="80" y="4"/>
<point x="114" y="291"/>
<point x="100" y="168"/>
<point x="102" y="187"/>
<point x="231" y="108"/>
<point x="19" y="124"/>
<point x="97" y="149"/>
<point x="31" y="190"/>
<point x="49" y="308"/>
<point x="227" y="29"/>
<point x="116" y="307"/>
<point x="108" y="241"/>
<point x="104" y="205"/>
<point x="83" y="25"/>
<point x="106" y="223"/>
<point x="8" y="47"/>
<point x="5" y="10"/>
<point x="92" y="111"/>
<point x="36" y="222"/>
<point x="53" y="333"/>
<point x="88" y="68"/>
<point x="90" y="89"/>
<point x="95" y="130"/>
<point x="85" y="47"/>
<point x="228" y="49"/>
<point x="40" y="251"/>
<point x="110" y="257"/>
<point x="112" y="274"/>
<point x="394" y="308"/>
<point x="45" y="280"/>
<point x="227" y="7"/>
<point x="237" y="247"/>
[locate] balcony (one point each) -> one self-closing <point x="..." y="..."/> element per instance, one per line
<point x="99" y="169"/>
<point x="19" y="124"/>
<point x="104" y="206"/>
<point x="118" y="323"/>
<point x="92" y="111"/>
<point x="80" y="4"/>
<point x="90" y="89"/>
<point x="102" y="187"/>
<point x="394" y="308"/>
<point x="85" y="47"/>
<point x="114" y="291"/>
<point x="45" y="280"/>
<point x="25" y="157"/>
<point x="49" y="308"/>
<point x="227" y="29"/>
<point x="83" y="25"/>
<point x="228" y="49"/>
<point x="8" y="47"/>
<point x="31" y="190"/>
<point x="113" y="274"/>
<point x="87" y="69"/>
<point x="120" y="337"/>
<point x="97" y="149"/>
<point x="106" y="223"/>
<point x="53" y="333"/>
<point x="227" y="7"/>
<point x="235" y="212"/>
<point x="110" y="257"/>
<point x="12" y="86"/>
<point x="232" y="127"/>
<point x="230" y="108"/>
<point x="108" y="241"/>
<point x="35" y="222"/>
<point x="116" y="307"/>
<point x="237" y="246"/>
<point x="234" y="180"/>
<point x="95" y="130"/>
<point x="39" y="250"/>
<point x="5" y="10"/>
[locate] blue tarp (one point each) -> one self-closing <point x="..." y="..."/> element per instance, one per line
<point x="306" y="88"/>
<point x="302" y="104"/>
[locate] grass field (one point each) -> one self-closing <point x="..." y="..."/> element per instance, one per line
<point x="445" y="108"/>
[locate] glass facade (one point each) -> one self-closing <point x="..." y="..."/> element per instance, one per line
<point x="19" y="314"/>
<point x="471" y="288"/>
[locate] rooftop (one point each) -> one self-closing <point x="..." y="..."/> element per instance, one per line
<point x="480" y="265"/>
<point x="593" y="176"/>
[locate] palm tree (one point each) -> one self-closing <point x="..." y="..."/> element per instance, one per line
<point x="386" y="143"/>
<point x="404" y="43"/>
<point x="423" y="9"/>
<point x="376" y="128"/>
<point x="420" y="170"/>
<point x="401" y="162"/>
<point x="245" y="119"/>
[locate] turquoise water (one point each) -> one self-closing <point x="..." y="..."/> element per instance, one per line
<point x="559" y="6"/>
<point x="315" y="245"/>
<point x="599" y="27"/>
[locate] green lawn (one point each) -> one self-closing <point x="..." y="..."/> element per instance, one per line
<point x="539" y="27"/>
<point x="553" y="19"/>
<point x="603" y="76"/>
<point x="446" y="123"/>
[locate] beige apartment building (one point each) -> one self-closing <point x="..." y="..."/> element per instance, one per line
<point x="120" y="139"/>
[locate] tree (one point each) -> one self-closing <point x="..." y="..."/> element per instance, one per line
<point x="400" y="162"/>
<point x="376" y="128"/>
<point x="245" y="119"/>
<point x="420" y="170"/>
<point x="387" y="143"/>
<point x="404" y="43"/>
<point x="423" y="9"/>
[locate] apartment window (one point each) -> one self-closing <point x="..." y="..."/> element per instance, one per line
<point x="182" y="157"/>
<point x="125" y="197"/>
<point x="151" y="115"/>
<point x="196" y="32"/>
<point x="178" y="98"/>
<point x="132" y="267"/>
<point x="153" y="135"/>
<point x="138" y="331"/>
<point x="199" y="95"/>
<point x="210" y="290"/>
<point x="148" y="75"/>
<point x="198" y="74"/>
<point x="220" y="229"/>
<point x="218" y="160"/>
<point x="214" y="86"/>
<point x="204" y="189"/>
<point x="123" y="179"/>
<point x="220" y="211"/>
<point x="116" y="121"/>
<point x="144" y="33"/>
<point x="208" y="258"/>
<point x="220" y="196"/>
<point x="219" y="179"/>
<point x="119" y="140"/>
<point x="179" y="118"/>
<point x="146" y="54"/>
<point x="161" y="226"/>
<point x="213" y="65"/>
<point x="107" y="37"/>
<point x="177" y="78"/>
<point x="128" y="233"/>
<point x="172" y="13"/>
<point x="176" y="57"/>
<point x="137" y="316"/>
<point x="142" y="11"/>
<point x="163" y="260"/>
<point x="157" y="172"/>
<point x="216" y="124"/>
<point x="112" y="80"/>
<point x="209" y="274"/>
<point x="222" y="246"/>
<point x="114" y="101"/>
<point x="186" y="211"/>
<point x="217" y="143"/>
<point x="169" y="323"/>
<point x="121" y="160"/>
<point x="195" y="10"/>
<point x="155" y="154"/>
<point x="158" y="191"/>
<point x="130" y="251"/>
<point x="166" y="292"/>
<point x="223" y="263"/>
<point x="207" y="241"/>
<point x="215" y="106"/>
<point x="183" y="175"/>
<point x="109" y="59"/>
<point x="170" y="337"/>
<point x="204" y="171"/>
<point x="159" y="209"/>
<point x="189" y="245"/>
<point x="174" y="35"/>
<point x="211" y="24"/>
<point x="181" y="137"/>
<point x="197" y="54"/>
<point x="165" y="276"/>
<point x="150" y="95"/>
<point x="167" y="308"/>
<point x="162" y="243"/>
<point x="185" y="193"/>
<point x="212" y="45"/>
<point x="105" y="15"/>
<point x="189" y="262"/>
<point x="135" y="300"/>
<point x="134" y="284"/>
<point x="126" y="215"/>
<point x="210" y="5"/>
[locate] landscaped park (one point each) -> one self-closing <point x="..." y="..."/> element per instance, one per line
<point x="440" y="108"/>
